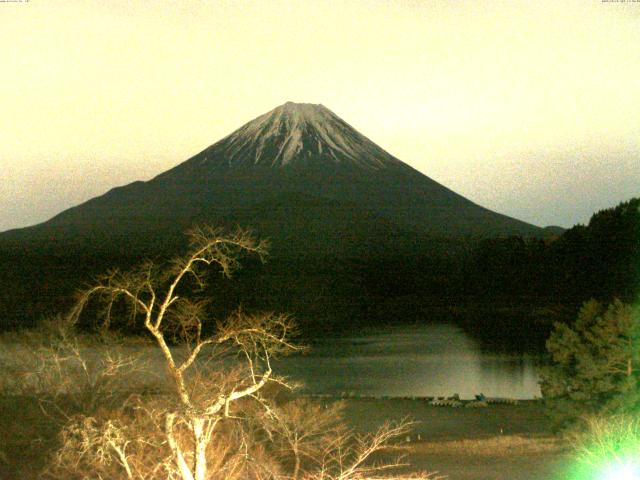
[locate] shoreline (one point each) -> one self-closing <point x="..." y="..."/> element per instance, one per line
<point x="525" y="418"/>
<point x="499" y="442"/>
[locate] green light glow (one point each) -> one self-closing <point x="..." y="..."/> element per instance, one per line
<point x="622" y="471"/>
<point x="609" y="449"/>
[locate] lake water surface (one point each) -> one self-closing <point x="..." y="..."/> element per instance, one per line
<point x="399" y="361"/>
<point x="420" y="360"/>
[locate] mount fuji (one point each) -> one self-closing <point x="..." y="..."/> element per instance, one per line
<point x="298" y="174"/>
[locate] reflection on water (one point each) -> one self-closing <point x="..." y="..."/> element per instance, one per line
<point x="423" y="360"/>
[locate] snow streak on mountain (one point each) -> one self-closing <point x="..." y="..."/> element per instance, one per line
<point x="297" y="134"/>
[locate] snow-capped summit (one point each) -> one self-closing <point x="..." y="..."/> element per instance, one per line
<point x="300" y="134"/>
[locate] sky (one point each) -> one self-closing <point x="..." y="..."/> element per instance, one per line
<point x="527" y="108"/>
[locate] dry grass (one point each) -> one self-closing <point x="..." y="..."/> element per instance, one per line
<point x="503" y="445"/>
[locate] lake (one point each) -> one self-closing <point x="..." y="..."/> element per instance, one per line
<point x="398" y="361"/>
<point x="407" y="361"/>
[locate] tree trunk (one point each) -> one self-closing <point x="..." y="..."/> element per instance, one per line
<point x="200" y="441"/>
<point x="185" y="471"/>
<point x="296" y="468"/>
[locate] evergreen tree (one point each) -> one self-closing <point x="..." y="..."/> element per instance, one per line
<point x="595" y="364"/>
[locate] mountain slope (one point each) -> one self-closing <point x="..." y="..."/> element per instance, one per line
<point x="307" y="148"/>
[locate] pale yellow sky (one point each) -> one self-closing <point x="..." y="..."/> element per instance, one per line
<point x="526" y="107"/>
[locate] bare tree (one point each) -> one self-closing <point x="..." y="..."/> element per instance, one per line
<point x="349" y="457"/>
<point x="219" y="420"/>
<point x="320" y="447"/>
<point x="300" y="430"/>
<point x="154" y="295"/>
